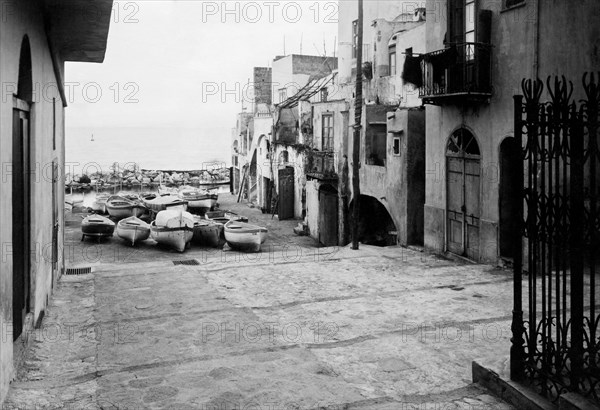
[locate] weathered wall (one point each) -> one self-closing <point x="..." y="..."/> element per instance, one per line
<point x="373" y="9"/>
<point x="25" y="19"/>
<point x="391" y="89"/>
<point x="262" y="85"/>
<point x="312" y="208"/>
<point x="283" y="77"/>
<point x="415" y="178"/>
<point x="513" y="56"/>
<point x="389" y="184"/>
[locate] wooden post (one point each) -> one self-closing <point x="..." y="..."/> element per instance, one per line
<point x="357" y="130"/>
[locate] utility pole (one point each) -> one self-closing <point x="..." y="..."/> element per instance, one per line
<point x="357" y="129"/>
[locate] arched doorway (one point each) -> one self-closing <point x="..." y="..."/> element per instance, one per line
<point x="328" y="215"/>
<point x="21" y="192"/>
<point x="376" y="226"/>
<point x="509" y="200"/>
<point x="463" y="170"/>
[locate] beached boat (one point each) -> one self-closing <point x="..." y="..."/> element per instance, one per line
<point x="133" y="230"/>
<point x="165" y="190"/>
<point x="208" y="233"/>
<point x="225" y="216"/>
<point x="120" y="207"/>
<point x="71" y="201"/>
<point x="173" y="228"/>
<point x="199" y="200"/>
<point x="128" y="195"/>
<point x="99" y="204"/>
<point x="157" y="203"/>
<point x="244" y="237"/>
<point x="97" y="226"/>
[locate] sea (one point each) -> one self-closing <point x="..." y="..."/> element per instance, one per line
<point x="163" y="149"/>
<point x="90" y="150"/>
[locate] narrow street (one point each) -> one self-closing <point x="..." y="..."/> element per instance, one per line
<point x="296" y="327"/>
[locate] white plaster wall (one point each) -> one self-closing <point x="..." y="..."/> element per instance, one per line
<point x="24" y="18"/>
<point x="312" y="208"/>
<point x="372" y="9"/>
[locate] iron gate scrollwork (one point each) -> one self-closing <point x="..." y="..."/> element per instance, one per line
<point x="555" y="342"/>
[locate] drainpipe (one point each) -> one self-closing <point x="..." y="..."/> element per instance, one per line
<point x="536" y="39"/>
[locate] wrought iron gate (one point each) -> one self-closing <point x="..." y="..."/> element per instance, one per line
<point x="555" y="342"/>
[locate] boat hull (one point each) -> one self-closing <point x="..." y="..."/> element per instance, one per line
<point x="208" y="233"/>
<point x="99" y="205"/>
<point x="97" y="226"/>
<point x="120" y="207"/>
<point x="174" y="238"/>
<point x="122" y="212"/>
<point x="158" y="203"/>
<point x="244" y="237"/>
<point x="133" y="230"/>
<point x="202" y="205"/>
<point x="199" y="201"/>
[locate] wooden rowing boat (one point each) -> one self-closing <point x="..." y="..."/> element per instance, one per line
<point x="133" y="230"/>
<point x="99" y="204"/>
<point x="244" y="236"/>
<point x="119" y="207"/>
<point x="199" y="200"/>
<point x="208" y="233"/>
<point x="158" y="203"/>
<point x="223" y="217"/>
<point x="97" y="226"/>
<point x="173" y="228"/>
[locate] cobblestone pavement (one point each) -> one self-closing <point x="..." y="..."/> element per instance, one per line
<point x="316" y="328"/>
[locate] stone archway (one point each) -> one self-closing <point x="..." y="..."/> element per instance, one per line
<point x="376" y="226"/>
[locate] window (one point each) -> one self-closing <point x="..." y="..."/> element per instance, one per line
<point x="282" y="94"/>
<point x="327" y="132"/>
<point x="392" y="54"/>
<point x="324" y="94"/>
<point x="396" y="146"/>
<point x="376" y="144"/>
<point x="354" y="38"/>
<point x="470" y="28"/>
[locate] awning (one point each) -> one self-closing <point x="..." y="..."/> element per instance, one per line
<point x="78" y="29"/>
<point x="306" y="92"/>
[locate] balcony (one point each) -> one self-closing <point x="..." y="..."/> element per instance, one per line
<point x="320" y="165"/>
<point x="460" y="73"/>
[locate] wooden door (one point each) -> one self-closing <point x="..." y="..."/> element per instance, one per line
<point x="472" y="208"/>
<point x="21" y="246"/>
<point x="55" y="220"/>
<point x="328" y="217"/>
<point x="286" y="193"/>
<point x="266" y="195"/>
<point x="455" y="202"/>
<point x="463" y="172"/>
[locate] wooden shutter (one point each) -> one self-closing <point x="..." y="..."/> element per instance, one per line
<point x="482" y="55"/>
<point x="456" y="21"/>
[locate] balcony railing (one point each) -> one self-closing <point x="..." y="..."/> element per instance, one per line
<point x="321" y="164"/>
<point x="459" y="73"/>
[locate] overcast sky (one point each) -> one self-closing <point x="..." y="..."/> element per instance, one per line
<point x="170" y="62"/>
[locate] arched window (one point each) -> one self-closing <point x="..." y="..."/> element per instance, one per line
<point x="25" y="85"/>
<point x="462" y="143"/>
